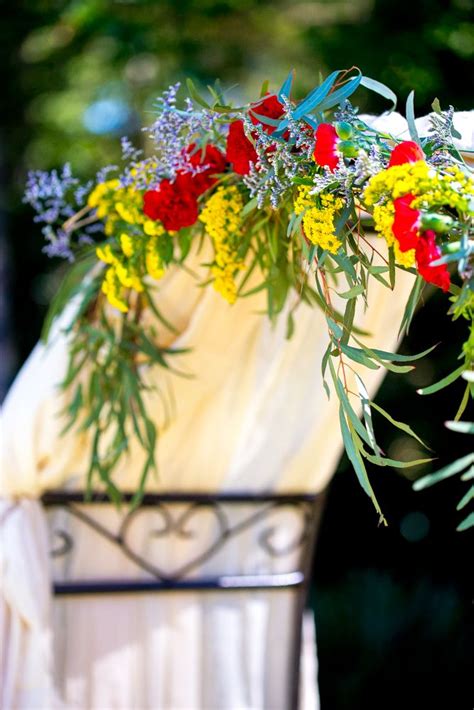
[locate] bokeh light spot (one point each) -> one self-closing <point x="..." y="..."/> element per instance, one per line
<point x="106" y="116"/>
<point x="414" y="526"/>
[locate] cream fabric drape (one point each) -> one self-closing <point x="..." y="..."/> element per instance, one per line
<point x="254" y="416"/>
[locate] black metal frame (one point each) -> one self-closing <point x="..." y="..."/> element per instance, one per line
<point x="306" y="505"/>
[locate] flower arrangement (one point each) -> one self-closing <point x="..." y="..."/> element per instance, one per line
<point x="289" y="189"/>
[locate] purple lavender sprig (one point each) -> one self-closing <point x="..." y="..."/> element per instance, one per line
<point x="174" y="130"/>
<point x="56" y="197"/>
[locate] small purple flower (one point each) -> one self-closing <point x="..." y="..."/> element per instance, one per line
<point x="55" y="197"/>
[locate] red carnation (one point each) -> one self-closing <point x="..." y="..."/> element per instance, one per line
<point x="268" y="106"/>
<point x="406" y="224"/>
<point x="325" y="150"/>
<point x="240" y="151"/>
<point x="406" y="152"/>
<point x="427" y="251"/>
<point x="174" y="204"/>
<point x="215" y="162"/>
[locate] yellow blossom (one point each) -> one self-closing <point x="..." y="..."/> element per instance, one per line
<point x="126" y="242"/>
<point x="114" y="291"/>
<point x="222" y="219"/>
<point x="318" y="221"/>
<point x="153" y="229"/>
<point x="414" y="178"/>
<point x="153" y="262"/>
<point x="105" y="254"/>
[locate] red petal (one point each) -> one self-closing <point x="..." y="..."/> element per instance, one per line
<point x="268" y="106"/>
<point x="406" y="152"/>
<point x="406" y="223"/>
<point x="240" y="151"/>
<point x="427" y="251"/>
<point x="325" y="150"/>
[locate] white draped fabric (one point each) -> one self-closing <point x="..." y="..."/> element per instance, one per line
<point x="253" y="417"/>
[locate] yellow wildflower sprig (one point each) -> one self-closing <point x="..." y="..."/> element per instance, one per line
<point x="133" y="251"/>
<point x="318" y="215"/>
<point x="222" y="219"/>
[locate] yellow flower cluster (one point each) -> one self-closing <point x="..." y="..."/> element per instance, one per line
<point x="114" y="204"/>
<point x="415" y="178"/>
<point x="222" y="219"/>
<point x="453" y="188"/>
<point x="383" y="220"/>
<point x="134" y="254"/>
<point x="318" y="222"/>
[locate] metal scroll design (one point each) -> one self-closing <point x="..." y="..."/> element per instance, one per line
<point x="184" y="525"/>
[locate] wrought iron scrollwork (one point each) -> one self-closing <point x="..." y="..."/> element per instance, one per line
<point x="185" y="524"/>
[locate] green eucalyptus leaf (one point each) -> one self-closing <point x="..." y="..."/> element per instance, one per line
<point x="347" y="406"/>
<point x="466" y="499"/>
<point x="380" y="89"/>
<point x="445" y="382"/>
<point x="466" y="524"/>
<point x="399" y="425"/>
<point x="358" y="355"/>
<point x="195" y="95"/>
<point x="356" y="460"/>
<point x="446" y="472"/>
<point x="461" y="427"/>
<point x="353" y="292"/>
<point x="394" y="463"/>
<point x="411" y="305"/>
<point x="410" y="114"/>
<point x="367" y="414"/>
<point x="285" y="90"/>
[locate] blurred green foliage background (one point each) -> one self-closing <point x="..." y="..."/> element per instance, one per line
<point x="391" y="603"/>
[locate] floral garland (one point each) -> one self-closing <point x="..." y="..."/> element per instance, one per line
<point x="288" y="188"/>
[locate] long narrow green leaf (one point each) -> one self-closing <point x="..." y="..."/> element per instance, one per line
<point x="394" y="463"/>
<point x="367" y="414"/>
<point x="410" y="111"/>
<point x="399" y="425"/>
<point x="339" y="95"/>
<point x="386" y="363"/>
<point x="380" y="89"/>
<point x="411" y="305"/>
<point x="353" y="292"/>
<point x="358" y="464"/>
<point x="468" y="475"/>
<point x="398" y="357"/>
<point x="461" y="427"/>
<point x="358" y="355"/>
<point x="348" y="409"/>
<point x="443" y="473"/>
<point x="315" y="96"/>
<point x="466" y="499"/>
<point x="445" y="382"/>
<point x="466" y="524"/>
<point x="285" y="90"/>
<point x="464" y="402"/>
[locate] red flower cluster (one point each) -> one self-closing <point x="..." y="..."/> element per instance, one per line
<point x="240" y="151"/>
<point x="268" y="106"/>
<point x="325" y="150"/>
<point x="427" y="251"/>
<point x="407" y="224"/>
<point x="175" y="204"/>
